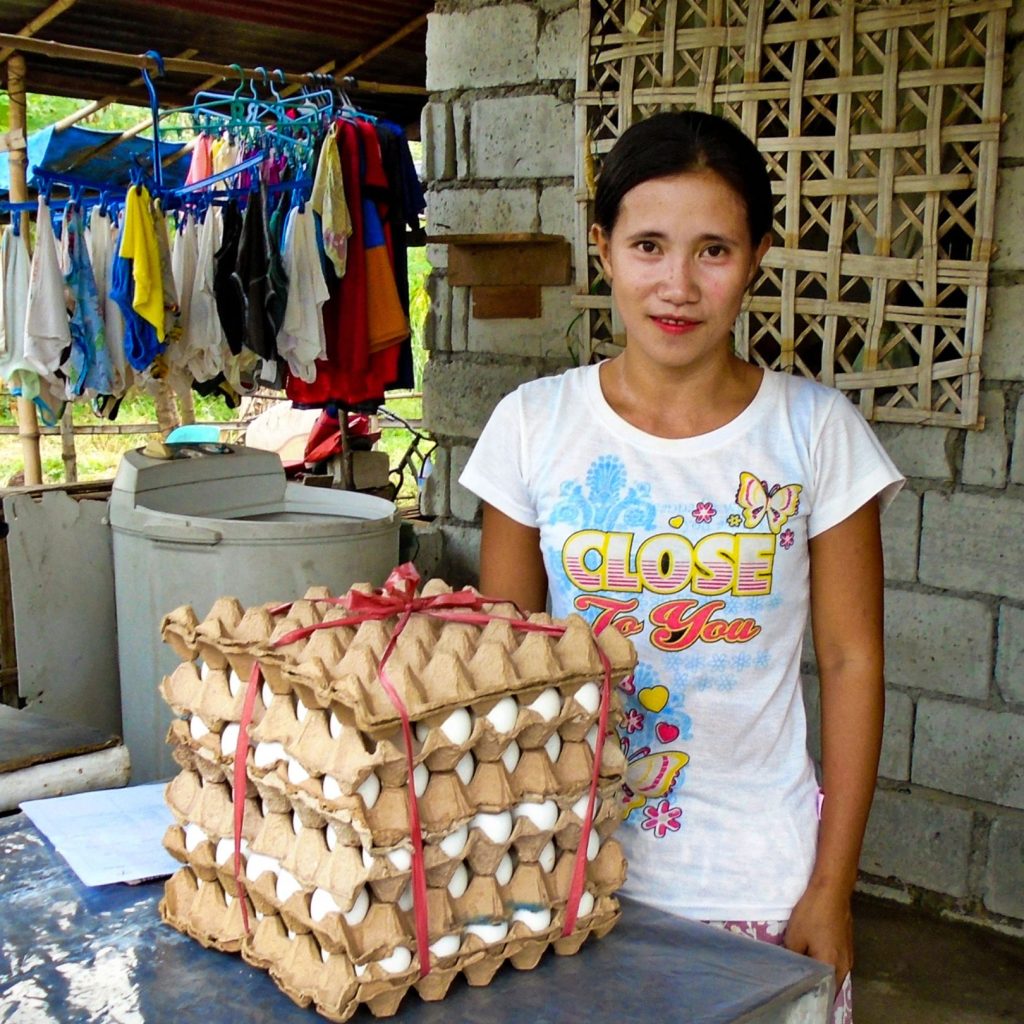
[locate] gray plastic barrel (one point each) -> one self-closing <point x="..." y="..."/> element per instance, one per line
<point x="222" y="523"/>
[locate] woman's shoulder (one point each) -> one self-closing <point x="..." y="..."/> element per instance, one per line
<point x="572" y="381"/>
<point x="798" y="392"/>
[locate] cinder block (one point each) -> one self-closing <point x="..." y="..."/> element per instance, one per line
<point x="938" y="643"/>
<point x="917" y="451"/>
<point x="558" y="211"/>
<point x="538" y="338"/>
<point x="987" y="452"/>
<point x="558" y="45"/>
<point x="434" y="496"/>
<point x="425" y="544"/>
<point x="1009" y="226"/>
<point x="918" y="840"/>
<point x="522" y="137"/>
<point x="461" y="560"/>
<point x="973" y="542"/>
<point x="465" y="504"/>
<point x="459" y="395"/>
<point x="438" y="327"/>
<point x="474" y="211"/>
<point x="495" y="45"/>
<point x="1002" y="355"/>
<point x="460" y="120"/>
<point x="1010" y="656"/>
<point x="901" y="534"/>
<point x="1004" y="877"/>
<point x="460" y="319"/>
<point x="1011" y="142"/>
<point x="438" y="141"/>
<point x="1017" y="464"/>
<point x="969" y="751"/>
<point x="894" y="762"/>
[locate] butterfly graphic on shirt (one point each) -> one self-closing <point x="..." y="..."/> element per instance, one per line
<point x="649" y="775"/>
<point x="775" y="504"/>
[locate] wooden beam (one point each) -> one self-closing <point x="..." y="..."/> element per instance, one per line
<point x="363" y="58"/>
<point x="28" y="422"/>
<point x="38" y="22"/>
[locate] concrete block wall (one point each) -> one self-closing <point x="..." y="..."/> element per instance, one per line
<point x="947" y="828"/>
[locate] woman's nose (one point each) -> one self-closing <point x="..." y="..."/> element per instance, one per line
<point x="679" y="283"/>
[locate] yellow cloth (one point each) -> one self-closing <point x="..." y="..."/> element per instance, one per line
<point x="139" y="244"/>
<point x="328" y="200"/>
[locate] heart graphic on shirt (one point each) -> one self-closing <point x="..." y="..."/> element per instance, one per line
<point x="675" y="522"/>
<point x="654" y="698"/>
<point x="666" y="732"/>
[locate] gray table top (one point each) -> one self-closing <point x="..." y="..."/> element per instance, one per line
<point x="72" y="954"/>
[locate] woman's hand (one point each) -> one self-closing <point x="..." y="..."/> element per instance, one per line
<point x="821" y="926"/>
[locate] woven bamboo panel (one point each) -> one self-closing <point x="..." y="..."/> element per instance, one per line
<point x="880" y="125"/>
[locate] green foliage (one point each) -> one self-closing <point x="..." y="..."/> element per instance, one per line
<point x="41" y="111"/>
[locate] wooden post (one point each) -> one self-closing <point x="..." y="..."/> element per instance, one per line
<point x="67" y="444"/>
<point x="28" y="423"/>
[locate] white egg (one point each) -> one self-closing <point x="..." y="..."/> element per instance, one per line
<point x="287" y="885"/>
<point x="259" y="915"/>
<point x="547" y="704"/>
<point x="405" y="900"/>
<point x="331" y="788"/>
<point x="204" y="671"/>
<point x="420" y="778"/>
<point x="360" y="969"/>
<point x="465" y="768"/>
<point x="547" y="858"/>
<point x="542" y="815"/>
<point x="229" y="739"/>
<point x="586" y="906"/>
<point x="324" y="955"/>
<point x="453" y="845"/>
<point x="400" y="960"/>
<point x="535" y="920"/>
<point x="321" y="904"/>
<point x="225" y="851"/>
<point x="234" y="683"/>
<point x="457" y="726"/>
<point x="228" y="898"/>
<point x="335" y="726"/>
<point x="447" y="945"/>
<point x="194" y="835"/>
<point x="503" y="715"/>
<point x="367" y="858"/>
<point x="297" y="825"/>
<point x="401" y="858"/>
<point x="588" y="696"/>
<point x="593" y="845"/>
<point x="553" y="747"/>
<point x="296" y="773"/>
<point x="291" y="935"/>
<point x="264" y="806"/>
<point x="330" y="837"/>
<point x="497" y="827"/>
<point x="369" y="790"/>
<point x="591" y="738"/>
<point x="267" y="754"/>
<point x="580" y="807"/>
<point x="510" y="756"/>
<point x="503" y="872"/>
<point x="459" y="881"/>
<point x="490" y="933"/>
<point x="422" y="731"/>
<point x="300" y="710"/>
<point x="360" y="906"/>
<point x="257" y="864"/>
<point x="197" y="728"/>
<point x="267" y="694"/>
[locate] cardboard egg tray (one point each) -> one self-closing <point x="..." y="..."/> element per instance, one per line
<point x="505" y="732"/>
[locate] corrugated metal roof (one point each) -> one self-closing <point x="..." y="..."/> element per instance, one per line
<point x="297" y="37"/>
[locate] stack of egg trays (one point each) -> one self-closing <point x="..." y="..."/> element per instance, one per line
<point x="506" y="726"/>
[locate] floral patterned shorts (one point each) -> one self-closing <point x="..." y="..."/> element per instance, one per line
<point x="775" y="933"/>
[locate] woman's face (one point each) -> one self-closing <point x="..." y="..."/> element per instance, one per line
<point x="680" y="259"/>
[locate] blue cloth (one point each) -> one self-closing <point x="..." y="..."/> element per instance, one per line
<point x="141" y="345"/>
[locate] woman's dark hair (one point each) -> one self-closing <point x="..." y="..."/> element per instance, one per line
<point x="679" y="141"/>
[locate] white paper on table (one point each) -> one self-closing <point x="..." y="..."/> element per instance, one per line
<point x="112" y="835"/>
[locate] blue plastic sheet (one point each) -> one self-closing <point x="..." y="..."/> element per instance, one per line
<point x="70" y="954"/>
<point x="58" y="152"/>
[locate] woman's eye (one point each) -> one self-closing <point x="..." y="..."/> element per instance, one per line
<point x="715" y="251"/>
<point x="647" y="246"/>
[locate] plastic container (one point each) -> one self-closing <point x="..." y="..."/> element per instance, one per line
<point x="222" y="522"/>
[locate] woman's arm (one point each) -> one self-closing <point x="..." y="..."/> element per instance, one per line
<point x="846" y="617"/>
<point x="511" y="565"/>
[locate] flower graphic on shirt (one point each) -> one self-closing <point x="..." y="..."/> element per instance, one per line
<point x="704" y="512"/>
<point x="661" y="819"/>
<point x="734" y="520"/>
<point x="627" y="685"/>
<point x="634" y="720"/>
<point x="606" y="500"/>
<point x="786" y="539"/>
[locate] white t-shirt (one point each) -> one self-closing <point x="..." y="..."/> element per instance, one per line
<point x="697" y="549"/>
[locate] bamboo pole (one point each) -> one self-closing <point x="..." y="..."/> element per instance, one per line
<point x="28" y="423"/>
<point x="38" y="22"/>
<point x="67" y="446"/>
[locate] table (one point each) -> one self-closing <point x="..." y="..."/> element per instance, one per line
<point x="71" y="954"/>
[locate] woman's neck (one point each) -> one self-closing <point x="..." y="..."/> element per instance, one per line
<point x="684" y="403"/>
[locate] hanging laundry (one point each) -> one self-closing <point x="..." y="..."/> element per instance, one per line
<point x="101" y="240"/>
<point x="14" y="274"/>
<point x="301" y="340"/>
<point x="260" y="297"/>
<point x="204" y="342"/>
<point x="184" y="257"/>
<point x="230" y="305"/>
<point x="328" y="200"/>
<point x="201" y="166"/>
<point x="87" y="367"/>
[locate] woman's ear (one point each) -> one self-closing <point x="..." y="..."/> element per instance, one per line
<point x="601" y="238"/>
<point x="755" y="262"/>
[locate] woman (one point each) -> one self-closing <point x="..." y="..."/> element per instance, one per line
<point x="704" y="506"/>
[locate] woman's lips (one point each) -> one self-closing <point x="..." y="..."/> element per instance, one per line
<point x="675" y="325"/>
